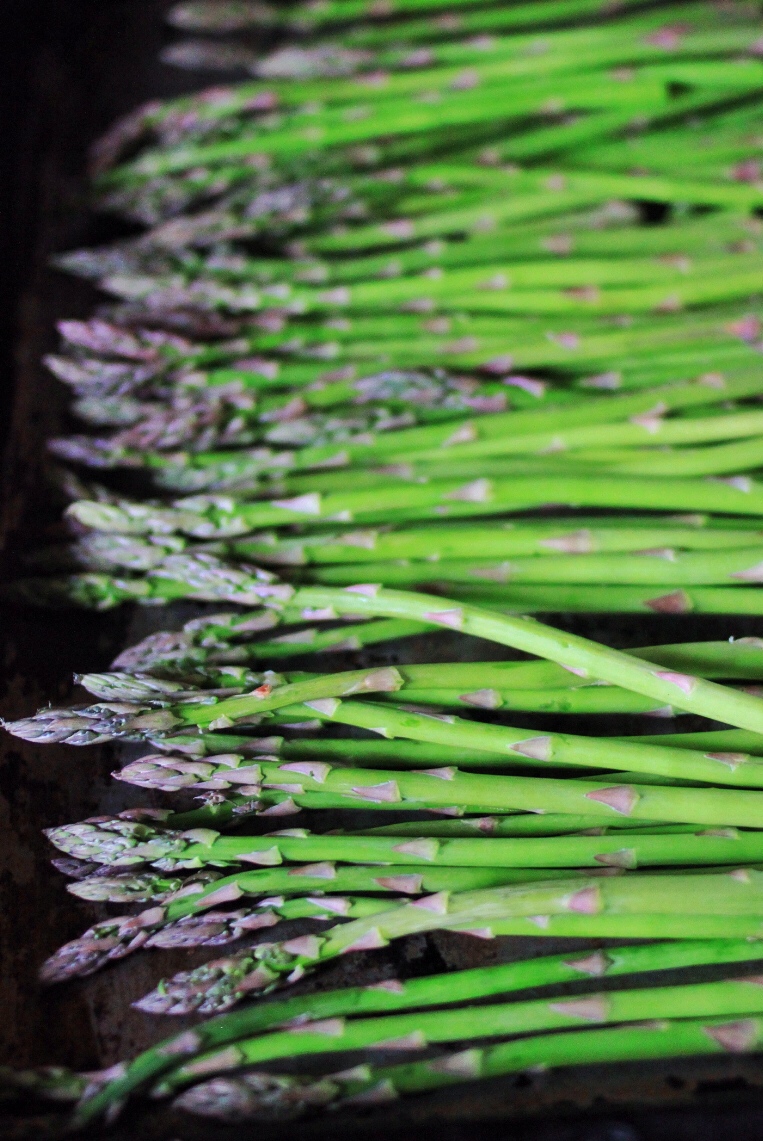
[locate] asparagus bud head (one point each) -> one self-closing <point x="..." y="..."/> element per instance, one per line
<point x="95" y="724"/>
<point x="101" y="944"/>
<point x="214" y="986"/>
<point x="227" y="770"/>
<point x="258" y="1097"/>
<point x="120" y="843"/>
<point x="140" y="887"/>
<point x="49" y="1083"/>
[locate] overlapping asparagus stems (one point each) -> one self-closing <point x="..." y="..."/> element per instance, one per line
<point x="729" y="894"/>
<point x="707" y="698"/>
<point x="514" y="871"/>
<point x="185" y="916"/>
<point x="253" y="1096"/>
<point x="158" y="715"/>
<point x="491" y="685"/>
<point x="393" y="995"/>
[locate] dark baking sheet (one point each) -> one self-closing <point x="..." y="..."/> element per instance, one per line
<point x="67" y="68"/>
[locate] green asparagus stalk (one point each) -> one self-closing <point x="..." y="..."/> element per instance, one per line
<point x="205" y="17"/>
<point x="169" y="705"/>
<point x="607" y="233"/>
<point x="599" y="599"/>
<point x="579" y="535"/>
<point x="519" y="824"/>
<point x="211" y="518"/>
<point x="455" y="789"/>
<point x="488" y="685"/>
<point x="238" y="1099"/>
<point x="655" y="567"/>
<point x="483" y="851"/>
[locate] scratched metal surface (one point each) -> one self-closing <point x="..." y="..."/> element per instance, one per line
<point x="93" y="60"/>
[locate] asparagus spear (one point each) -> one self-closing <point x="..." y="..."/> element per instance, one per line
<point x="578" y="535"/>
<point x="608" y="232"/>
<point x="166" y="850"/>
<point x="116" y="938"/>
<point x="656" y="567"/>
<point x="102" y="551"/>
<point x="211" y="517"/>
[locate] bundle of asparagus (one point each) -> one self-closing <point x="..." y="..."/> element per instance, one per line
<point x="362" y="344"/>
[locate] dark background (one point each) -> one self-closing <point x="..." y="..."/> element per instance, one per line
<point x="67" y="68"/>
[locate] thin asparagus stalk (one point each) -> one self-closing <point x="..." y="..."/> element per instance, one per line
<point x="224" y="639"/>
<point x="599" y="599"/>
<point x="399" y="752"/>
<point x="661" y="566"/>
<point x="150" y="887"/>
<point x="239" y="1099"/>
<point x="714" y="739"/>
<point x="729" y="894"/>
<point x="518" y="824"/>
<point x="460" y="986"/>
<point x="487" y="685"/>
